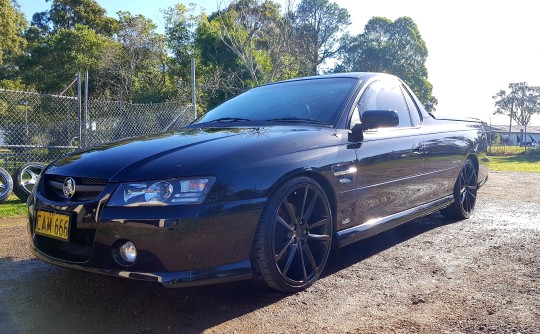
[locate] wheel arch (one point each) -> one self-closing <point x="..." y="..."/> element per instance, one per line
<point x="321" y="180"/>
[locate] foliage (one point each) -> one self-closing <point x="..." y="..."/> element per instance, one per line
<point x="505" y="151"/>
<point x="53" y="64"/>
<point x="244" y="43"/>
<point x="394" y="47"/>
<point x="135" y="66"/>
<point x="180" y="31"/>
<point x="67" y="14"/>
<point x="258" y="35"/>
<point x="519" y="104"/>
<point x="317" y="25"/>
<point x="12" y="24"/>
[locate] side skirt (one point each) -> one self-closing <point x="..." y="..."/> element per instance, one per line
<point x="378" y="225"/>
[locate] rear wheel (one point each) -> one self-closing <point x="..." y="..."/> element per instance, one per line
<point x="294" y="236"/>
<point x="465" y="191"/>
<point x="25" y="178"/>
<point x="6" y="184"/>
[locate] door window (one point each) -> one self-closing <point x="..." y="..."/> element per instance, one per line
<point x="386" y="95"/>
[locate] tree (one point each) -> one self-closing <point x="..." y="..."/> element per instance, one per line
<point x="67" y="14"/>
<point x="317" y="24"/>
<point x="135" y="68"/>
<point x="12" y="24"/>
<point x="180" y="32"/>
<point x="394" y="47"/>
<point x="54" y="64"/>
<point x="519" y="104"/>
<point x="258" y="35"/>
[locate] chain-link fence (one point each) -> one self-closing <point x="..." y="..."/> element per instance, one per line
<point x="42" y="127"/>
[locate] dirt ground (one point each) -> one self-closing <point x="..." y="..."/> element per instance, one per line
<point x="430" y="275"/>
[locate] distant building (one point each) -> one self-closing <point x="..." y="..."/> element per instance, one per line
<point x="518" y="136"/>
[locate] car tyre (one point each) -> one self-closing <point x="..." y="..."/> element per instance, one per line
<point x="465" y="190"/>
<point x="25" y="178"/>
<point x="294" y="236"/>
<point x="6" y="184"/>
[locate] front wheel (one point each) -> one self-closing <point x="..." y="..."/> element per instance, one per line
<point x="294" y="236"/>
<point x="465" y="190"/>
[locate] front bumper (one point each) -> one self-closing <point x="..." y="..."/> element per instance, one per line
<point x="176" y="246"/>
<point x="220" y="274"/>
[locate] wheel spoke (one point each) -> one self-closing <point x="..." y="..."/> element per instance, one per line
<point x="306" y="190"/>
<point x="321" y="222"/>
<point x="303" y="263"/>
<point x="31" y="173"/>
<point x="319" y="237"/>
<point x="29" y="183"/>
<point x="2" y="186"/>
<point x="469" y="204"/>
<point x="309" y="210"/>
<point x="284" y="223"/>
<point x="310" y="257"/>
<point x="290" y="210"/>
<point x="280" y="255"/>
<point x="290" y="259"/>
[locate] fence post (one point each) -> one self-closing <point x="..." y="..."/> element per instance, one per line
<point x="86" y="109"/>
<point x="79" y="108"/>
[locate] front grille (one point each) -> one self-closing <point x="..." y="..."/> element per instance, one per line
<point x="86" y="188"/>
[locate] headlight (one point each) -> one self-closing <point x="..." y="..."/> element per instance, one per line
<point x="162" y="192"/>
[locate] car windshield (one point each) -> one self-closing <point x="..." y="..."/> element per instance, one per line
<point x="313" y="100"/>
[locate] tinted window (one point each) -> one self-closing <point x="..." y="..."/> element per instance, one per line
<point x="413" y="110"/>
<point x="319" y="99"/>
<point x="385" y="95"/>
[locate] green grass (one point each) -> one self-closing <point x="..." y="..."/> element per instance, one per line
<point x="518" y="163"/>
<point x="13" y="207"/>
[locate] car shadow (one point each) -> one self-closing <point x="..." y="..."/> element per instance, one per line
<point x="349" y="255"/>
<point x="37" y="297"/>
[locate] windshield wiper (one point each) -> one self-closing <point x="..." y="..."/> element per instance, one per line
<point x="229" y="120"/>
<point x="298" y="120"/>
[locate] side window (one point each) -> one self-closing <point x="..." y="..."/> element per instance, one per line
<point x="385" y="95"/>
<point x="415" y="114"/>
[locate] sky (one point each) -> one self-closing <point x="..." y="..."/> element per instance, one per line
<point x="476" y="48"/>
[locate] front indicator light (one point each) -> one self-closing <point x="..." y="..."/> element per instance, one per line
<point x="128" y="252"/>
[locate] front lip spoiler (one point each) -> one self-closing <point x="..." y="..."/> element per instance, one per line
<point x="213" y="275"/>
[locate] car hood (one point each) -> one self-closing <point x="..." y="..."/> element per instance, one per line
<point x="190" y="151"/>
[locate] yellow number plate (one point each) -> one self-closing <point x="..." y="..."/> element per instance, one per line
<point x="54" y="225"/>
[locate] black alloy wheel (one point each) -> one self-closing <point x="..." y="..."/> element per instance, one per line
<point x="25" y="178"/>
<point x="465" y="191"/>
<point x="294" y="236"/>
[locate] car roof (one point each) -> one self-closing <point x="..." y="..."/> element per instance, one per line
<point x="354" y="75"/>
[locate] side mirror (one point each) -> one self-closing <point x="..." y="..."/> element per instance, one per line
<point x="374" y="119"/>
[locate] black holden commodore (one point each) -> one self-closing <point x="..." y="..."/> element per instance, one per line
<point x="263" y="186"/>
